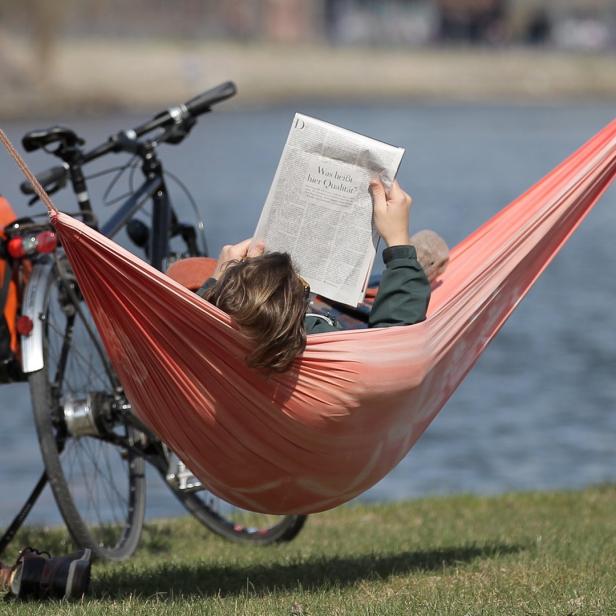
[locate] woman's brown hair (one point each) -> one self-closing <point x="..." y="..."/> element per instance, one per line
<point x="267" y="299"/>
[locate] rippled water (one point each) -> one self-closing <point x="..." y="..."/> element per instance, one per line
<point x="539" y="409"/>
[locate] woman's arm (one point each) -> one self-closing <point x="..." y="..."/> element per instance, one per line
<point x="236" y="252"/>
<point x="229" y="254"/>
<point x="404" y="291"/>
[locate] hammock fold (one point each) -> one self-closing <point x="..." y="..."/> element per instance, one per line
<point x="356" y="401"/>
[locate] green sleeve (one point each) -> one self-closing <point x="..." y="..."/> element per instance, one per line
<point x="206" y="286"/>
<point x="404" y="291"/>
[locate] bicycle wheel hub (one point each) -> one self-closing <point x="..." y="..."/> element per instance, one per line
<point x="83" y="417"/>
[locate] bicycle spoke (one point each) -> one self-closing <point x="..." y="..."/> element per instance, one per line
<point x="75" y="352"/>
<point x="66" y="342"/>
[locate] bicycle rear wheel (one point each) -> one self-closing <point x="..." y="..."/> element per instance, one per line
<point x="226" y="520"/>
<point x="99" y="486"/>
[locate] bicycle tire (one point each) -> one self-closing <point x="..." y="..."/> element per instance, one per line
<point x="222" y="518"/>
<point x="109" y="534"/>
<point x="247" y="528"/>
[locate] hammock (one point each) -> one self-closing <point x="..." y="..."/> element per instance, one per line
<point x="356" y="401"/>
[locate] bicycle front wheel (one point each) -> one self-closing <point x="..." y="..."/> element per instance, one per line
<point x="99" y="486"/>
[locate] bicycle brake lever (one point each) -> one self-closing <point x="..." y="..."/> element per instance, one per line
<point x="178" y="132"/>
<point x="126" y="141"/>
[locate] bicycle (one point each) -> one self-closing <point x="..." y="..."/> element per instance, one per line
<point x="83" y="420"/>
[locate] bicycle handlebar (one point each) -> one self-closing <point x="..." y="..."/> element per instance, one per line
<point x="182" y="116"/>
<point x="173" y="116"/>
<point x="202" y="102"/>
<point x="196" y="106"/>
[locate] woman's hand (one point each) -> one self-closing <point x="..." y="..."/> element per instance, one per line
<point x="236" y="252"/>
<point x="391" y="212"/>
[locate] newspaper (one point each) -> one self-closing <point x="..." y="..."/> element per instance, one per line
<point x="319" y="209"/>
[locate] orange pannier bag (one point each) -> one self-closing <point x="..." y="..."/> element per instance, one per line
<point x="12" y="300"/>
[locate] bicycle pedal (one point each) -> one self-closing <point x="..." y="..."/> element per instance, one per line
<point x="182" y="479"/>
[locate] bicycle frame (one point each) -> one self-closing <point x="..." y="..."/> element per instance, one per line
<point x="153" y="188"/>
<point x="130" y="207"/>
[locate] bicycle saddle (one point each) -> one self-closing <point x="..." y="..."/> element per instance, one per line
<point x="36" y="139"/>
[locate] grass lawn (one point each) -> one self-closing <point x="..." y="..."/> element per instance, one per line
<point x="536" y="553"/>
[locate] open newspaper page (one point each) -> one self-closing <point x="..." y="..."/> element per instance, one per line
<point x="319" y="210"/>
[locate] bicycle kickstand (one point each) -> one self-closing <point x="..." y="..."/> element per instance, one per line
<point x="21" y="516"/>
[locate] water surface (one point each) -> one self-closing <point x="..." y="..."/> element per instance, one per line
<point x="539" y="409"/>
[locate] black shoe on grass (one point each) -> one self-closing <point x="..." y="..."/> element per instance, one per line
<point x="36" y="575"/>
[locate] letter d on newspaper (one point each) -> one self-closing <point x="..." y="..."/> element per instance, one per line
<point x="319" y="210"/>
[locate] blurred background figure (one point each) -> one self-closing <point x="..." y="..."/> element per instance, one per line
<point x="50" y="47"/>
<point x="486" y="95"/>
<point x="472" y="21"/>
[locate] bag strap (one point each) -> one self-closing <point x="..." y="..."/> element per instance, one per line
<point x="5" y="285"/>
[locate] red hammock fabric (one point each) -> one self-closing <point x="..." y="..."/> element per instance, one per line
<point x="356" y="401"/>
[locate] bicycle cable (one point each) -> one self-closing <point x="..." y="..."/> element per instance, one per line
<point x="119" y="171"/>
<point x="200" y="223"/>
<point x="200" y="226"/>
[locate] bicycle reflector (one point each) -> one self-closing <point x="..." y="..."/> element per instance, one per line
<point x="24" y="325"/>
<point x="28" y="245"/>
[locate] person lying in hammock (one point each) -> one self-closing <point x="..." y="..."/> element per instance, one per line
<point x="269" y="300"/>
